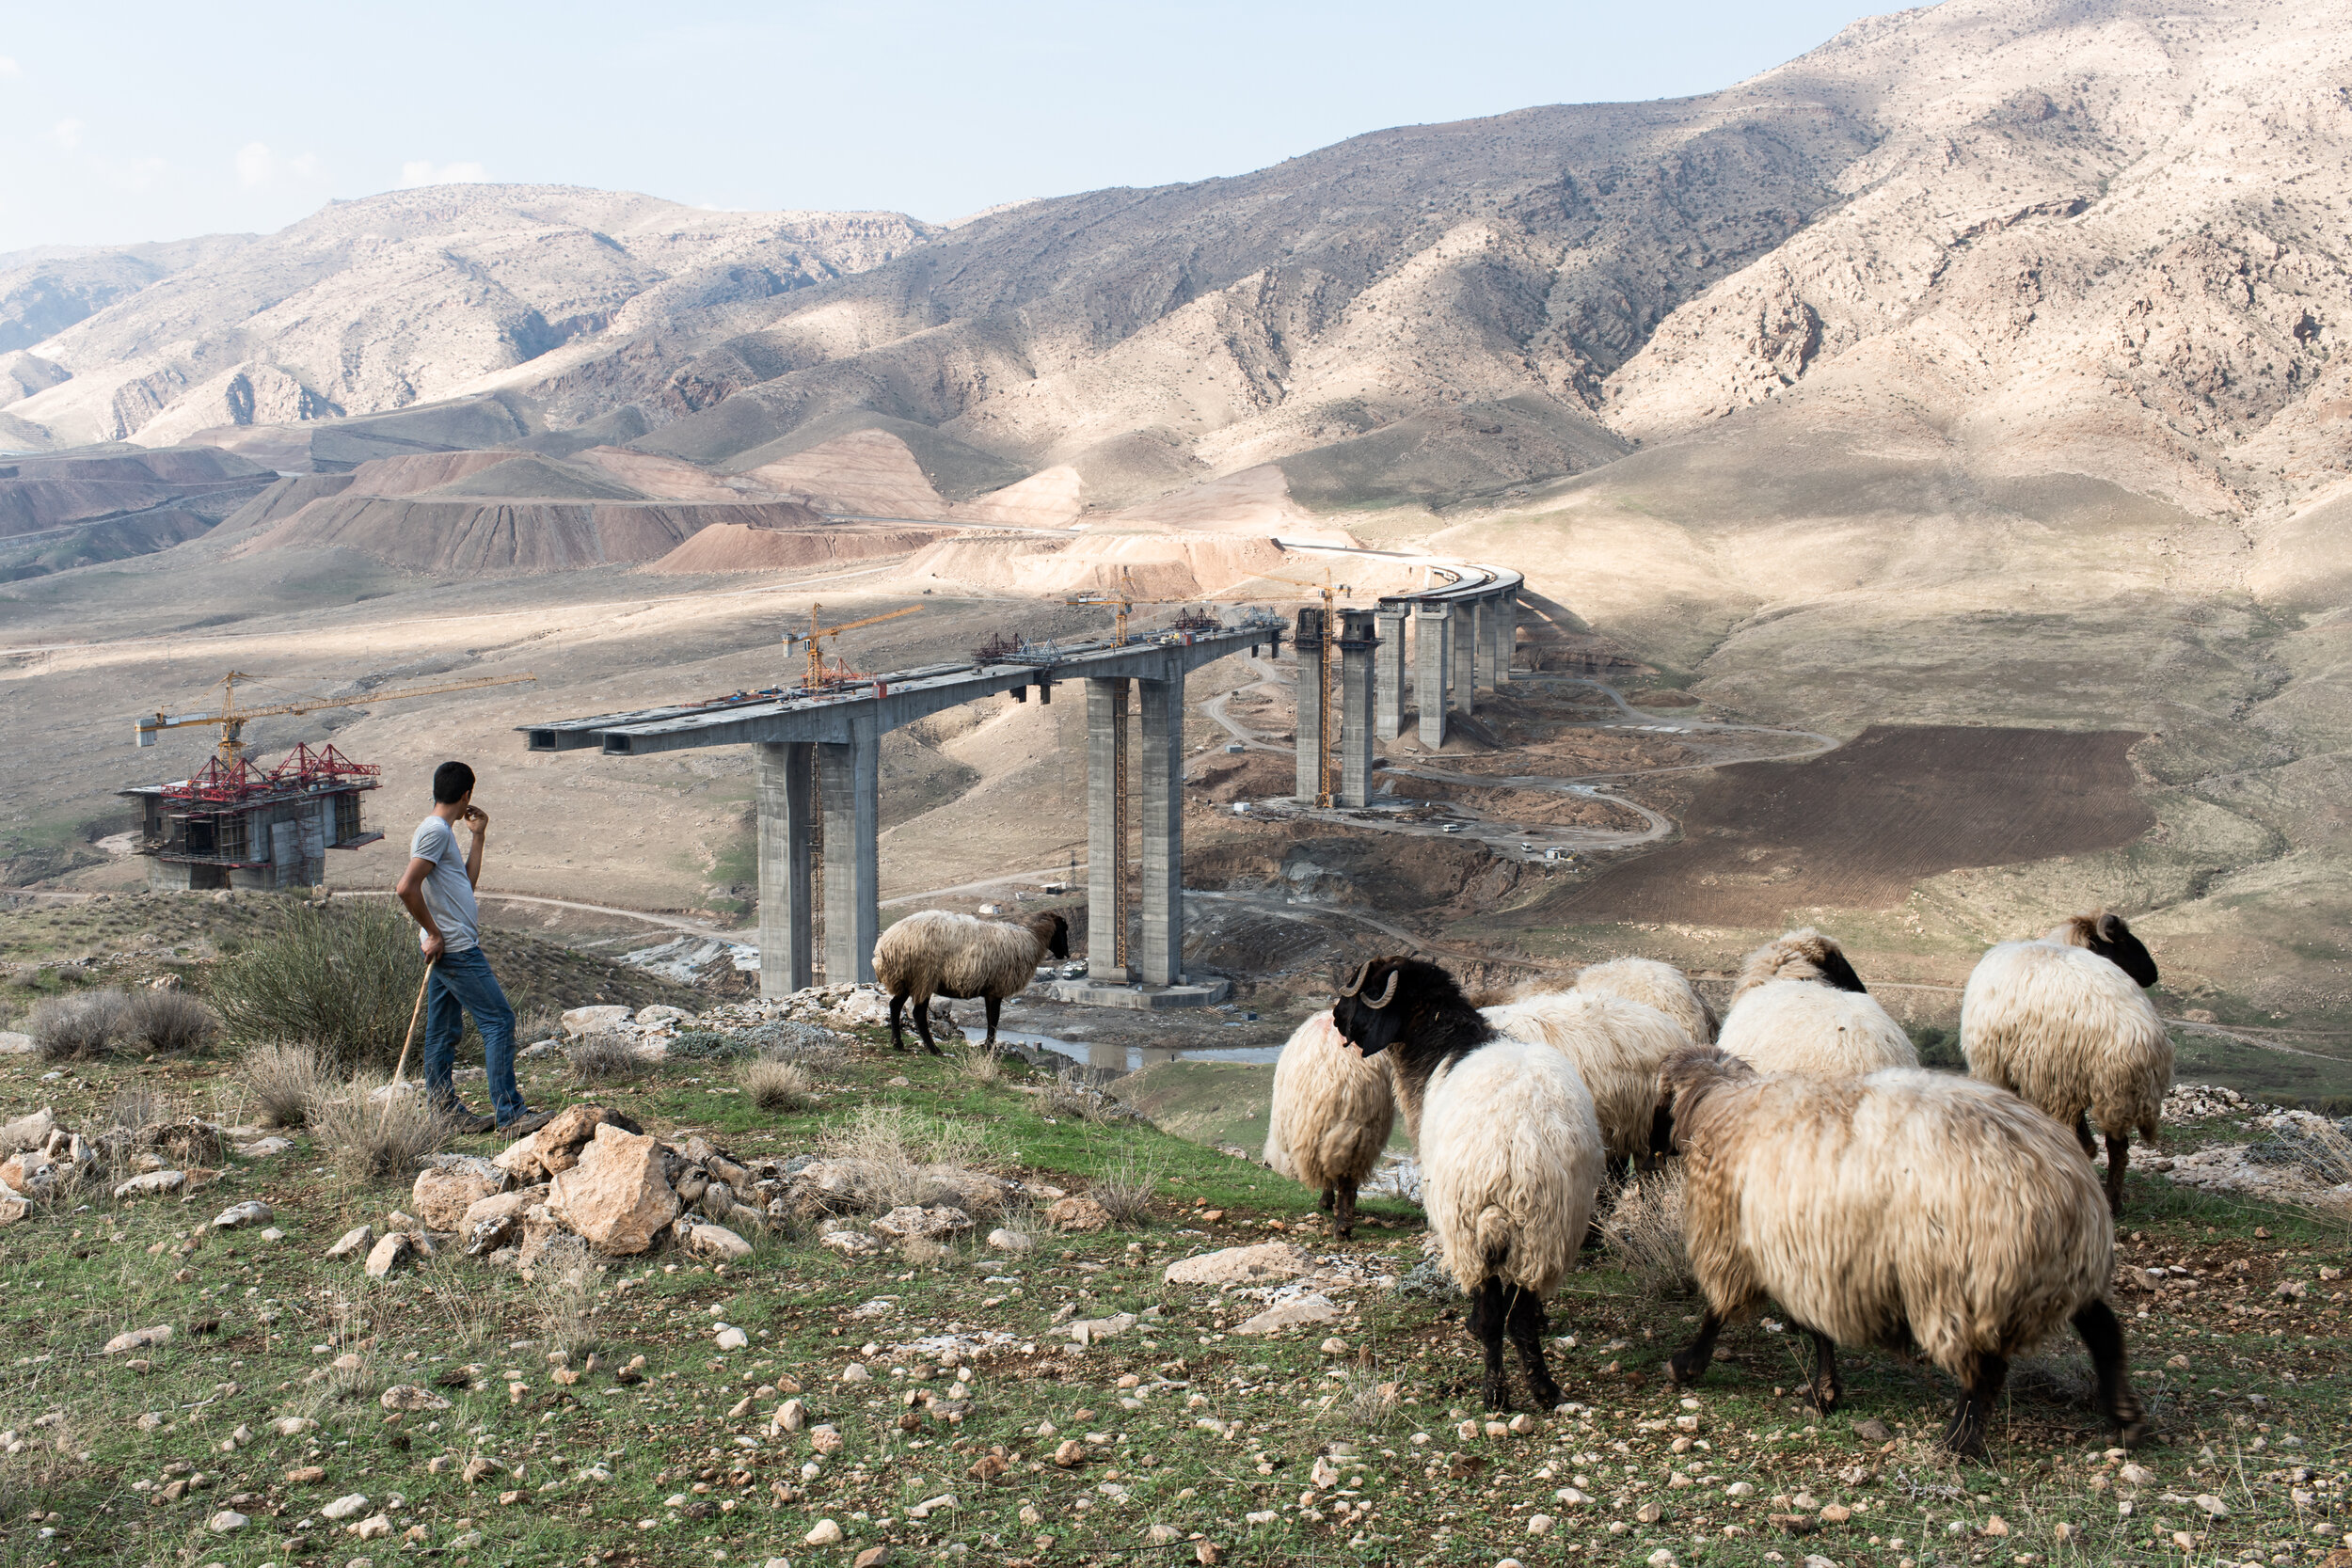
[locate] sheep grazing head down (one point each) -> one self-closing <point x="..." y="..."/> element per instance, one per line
<point x="1801" y="955"/>
<point x="1683" y="1085"/>
<point x="2106" y="934"/>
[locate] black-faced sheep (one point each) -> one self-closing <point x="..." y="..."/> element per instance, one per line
<point x="2065" y="1022"/>
<point x="1907" y="1208"/>
<point x="939" y="952"/>
<point x="1800" y="1007"/>
<point x="1653" y="984"/>
<point x="1616" y="1047"/>
<point x="1331" y="1116"/>
<point x="1510" y="1151"/>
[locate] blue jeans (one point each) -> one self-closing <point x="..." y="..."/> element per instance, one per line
<point x="462" y="983"/>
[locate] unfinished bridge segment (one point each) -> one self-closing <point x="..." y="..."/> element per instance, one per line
<point x="817" y="760"/>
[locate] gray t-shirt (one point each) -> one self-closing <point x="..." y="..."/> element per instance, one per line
<point x="448" y="892"/>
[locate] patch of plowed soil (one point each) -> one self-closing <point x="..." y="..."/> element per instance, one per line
<point x="1857" y="827"/>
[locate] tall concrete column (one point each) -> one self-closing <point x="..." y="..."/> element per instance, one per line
<point x="1357" y="646"/>
<point x="1308" y="644"/>
<point x="1106" y="839"/>
<point x="848" y="789"/>
<point x="1162" y="704"/>
<point x="1432" y="659"/>
<point x="784" y="779"/>
<point x="1507" y="635"/>
<point x="1461" y="687"/>
<point x="1388" y="697"/>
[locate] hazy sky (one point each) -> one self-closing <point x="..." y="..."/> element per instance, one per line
<point x="138" y="121"/>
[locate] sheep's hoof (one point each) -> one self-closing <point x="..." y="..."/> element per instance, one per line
<point x="1824" y="1396"/>
<point x="2131" y="1425"/>
<point x="1684" y="1368"/>
<point x="1498" y="1394"/>
<point x="1547" y="1395"/>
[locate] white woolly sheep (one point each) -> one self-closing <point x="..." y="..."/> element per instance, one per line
<point x="1331" y="1116"/>
<point x="1510" y="1152"/>
<point x="1616" y="1047"/>
<point x="939" y="952"/>
<point x="1907" y="1208"/>
<point x="2064" y="1023"/>
<point x="1653" y="984"/>
<point x="1800" y="1007"/>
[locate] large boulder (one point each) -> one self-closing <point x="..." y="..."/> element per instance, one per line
<point x="582" y="1021"/>
<point x="556" y="1146"/>
<point x="616" y="1197"/>
<point x="444" y="1192"/>
<point x="28" y="1131"/>
<point x="1242" y="1265"/>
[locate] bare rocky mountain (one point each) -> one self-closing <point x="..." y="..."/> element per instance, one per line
<point x="407" y="298"/>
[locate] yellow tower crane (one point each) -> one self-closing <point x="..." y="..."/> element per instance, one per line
<point x="1122" y="601"/>
<point x="232" y="718"/>
<point x="816" y="635"/>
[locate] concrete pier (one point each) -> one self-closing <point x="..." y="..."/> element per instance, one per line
<point x="1462" y="667"/>
<point x="1161" y="819"/>
<point x="1388" y="699"/>
<point x="784" y="782"/>
<point x="1432" y="660"/>
<point x="849" y="785"/>
<point x="1507" y="635"/>
<point x="1356" y="647"/>
<point x="1308" y="642"/>
<point x="1106" y="829"/>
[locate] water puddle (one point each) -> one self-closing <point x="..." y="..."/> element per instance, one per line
<point x="1112" y="1058"/>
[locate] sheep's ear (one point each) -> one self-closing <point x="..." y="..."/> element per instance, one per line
<point x="1661" y="1130"/>
<point x="1839" y="973"/>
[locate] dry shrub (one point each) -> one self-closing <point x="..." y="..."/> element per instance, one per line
<point x="564" y="1296"/>
<point x="982" y="1065"/>
<point x="897" y="1155"/>
<point x="530" y="1029"/>
<point x="70" y="1028"/>
<point x="1366" y="1400"/>
<point x="1643" y="1233"/>
<point x="1125" y="1190"/>
<point x="372" y="1138"/>
<point x="138" y="1105"/>
<point x="776" y="1087"/>
<point x="604" y="1057"/>
<point x="1072" y="1099"/>
<point x="344" y="977"/>
<point x="168" y="1022"/>
<point x="284" y="1080"/>
<point x="465" y="1299"/>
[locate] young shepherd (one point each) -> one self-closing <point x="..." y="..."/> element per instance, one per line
<point x="938" y="952"/>
<point x="1800" y="1008"/>
<point x="1904" y="1209"/>
<point x="1510" y="1152"/>
<point x="1654" y="984"/>
<point x="2065" y="1023"/>
<point x="1331" y="1116"/>
<point x="1616" y="1048"/>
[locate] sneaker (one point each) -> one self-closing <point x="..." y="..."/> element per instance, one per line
<point x="526" y="1124"/>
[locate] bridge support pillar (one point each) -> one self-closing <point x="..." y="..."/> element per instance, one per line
<point x="1308" y="643"/>
<point x="1162" y="710"/>
<point x="783" y="781"/>
<point x="849" y="783"/>
<point x="1106" y="829"/>
<point x="1388" y="701"/>
<point x="1430" y="660"/>
<point x="1357" y="646"/>
<point x="1507" y="635"/>
<point x="1461" y="688"/>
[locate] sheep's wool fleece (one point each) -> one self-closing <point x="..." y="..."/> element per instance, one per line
<point x="939" y="952"/>
<point x="1803" y="1026"/>
<point x="1510" y="1160"/>
<point x="1653" y="984"/>
<point x="1331" y="1112"/>
<point x="1616" y="1048"/>
<point x="1792" y="955"/>
<point x="2068" y="1031"/>
<point x="1904" y="1199"/>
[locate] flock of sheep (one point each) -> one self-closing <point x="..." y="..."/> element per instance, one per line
<point x="1823" y="1169"/>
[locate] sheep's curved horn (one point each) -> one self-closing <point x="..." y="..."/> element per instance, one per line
<point x="1388" y="995"/>
<point x="1361" y="975"/>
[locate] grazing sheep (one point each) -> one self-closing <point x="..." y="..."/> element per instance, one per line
<point x="1616" y="1047"/>
<point x="1331" y="1116"/>
<point x="1800" y="1007"/>
<point x="938" y="952"/>
<point x="1654" y="984"/>
<point x="1904" y="1209"/>
<point x="1510" y="1151"/>
<point x="2064" y="1023"/>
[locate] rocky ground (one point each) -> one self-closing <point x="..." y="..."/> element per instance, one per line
<point x="998" y="1370"/>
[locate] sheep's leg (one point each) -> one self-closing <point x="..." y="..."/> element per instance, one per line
<point x="1330" y="1198"/>
<point x="995" y="1006"/>
<point x="1823" y="1387"/>
<point x="1528" y="1325"/>
<point x="923" y="1023"/>
<point x="1344" y="1219"/>
<point x="1487" y="1316"/>
<point x="2082" y="1136"/>
<point x="1691" y="1362"/>
<point x="1973" y="1416"/>
<point x="898" y="1012"/>
<point x="2119" y="1156"/>
<point x="2102" y="1336"/>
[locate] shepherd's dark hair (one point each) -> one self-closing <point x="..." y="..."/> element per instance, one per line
<point x="450" y="783"/>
